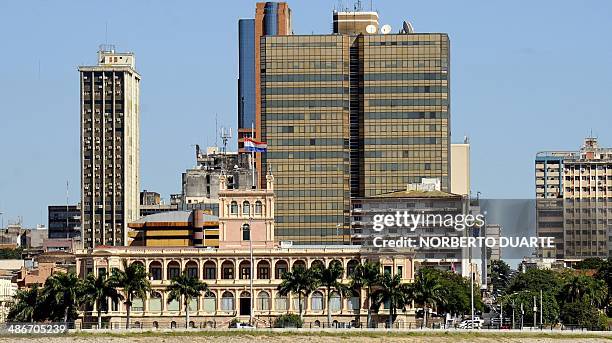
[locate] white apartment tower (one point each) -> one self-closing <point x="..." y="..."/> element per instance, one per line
<point x="110" y="148"/>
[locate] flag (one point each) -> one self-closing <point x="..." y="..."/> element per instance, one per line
<point x="253" y="145"/>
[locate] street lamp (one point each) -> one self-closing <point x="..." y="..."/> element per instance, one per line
<point x="247" y="228"/>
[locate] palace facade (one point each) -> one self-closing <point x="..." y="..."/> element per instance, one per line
<point x="245" y="225"/>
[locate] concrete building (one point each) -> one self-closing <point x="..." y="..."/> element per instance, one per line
<point x="200" y="185"/>
<point x="349" y="114"/>
<point x="110" y="150"/>
<point x="28" y="277"/>
<point x="460" y="168"/>
<point x="574" y="201"/>
<point x="149" y="198"/>
<point x="64" y="221"/>
<point x="412" y="201"/>
<point x="354" y="23"/>
<point x="549" y="201"/>
<point x="7" y="291"/>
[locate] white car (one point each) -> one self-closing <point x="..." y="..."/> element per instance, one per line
<point x="242" y="326"/>
<point x="468" y="324"/>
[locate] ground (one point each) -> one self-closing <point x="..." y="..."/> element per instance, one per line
<point x="323" y="337"/>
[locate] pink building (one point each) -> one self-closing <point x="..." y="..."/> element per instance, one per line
<point x="246" y="216"/>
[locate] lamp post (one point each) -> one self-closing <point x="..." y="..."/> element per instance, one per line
<point x="247" y="227"/>
<point x="252" y="312"/>
<point x="501" y="314"/>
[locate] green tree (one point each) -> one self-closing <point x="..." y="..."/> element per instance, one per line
<point x="11" y="254"/>
<point x="584" y="288"/>
<point x="604" y="273"/>
<point x="534" y="280"/>
<point x="328" y="278"/>
<point x="300" y="281"/>
<point x="512" y="302"/>
<point x="590" y="263"/>
<point x="584" y="314"/>
<point x="428" y="292"/>
<point x="25" y="306"/>
<point x="365" y="276"/>
<point x="96" y="291"/>
<point x="62" y="291"/>
<point x="392" y="292"/>
<point x="185" y="287"/>
<point x="500" y="275"/>
<point x="458" y="292"/>
<point x="134" y="280"/>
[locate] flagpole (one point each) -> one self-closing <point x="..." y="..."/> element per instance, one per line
<point x="252" y="158"/>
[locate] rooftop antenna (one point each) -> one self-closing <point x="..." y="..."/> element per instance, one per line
<point x="67" y="201"/>
<point x="357" y="6"/>
<point x="1" y="218"/>
<point x="216" y="130"/>
<point x="225" y="137"/>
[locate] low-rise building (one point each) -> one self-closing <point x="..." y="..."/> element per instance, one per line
<point x="7" y="292"/>
<point x="28" y="277"/>
<point x="237" y="289"/>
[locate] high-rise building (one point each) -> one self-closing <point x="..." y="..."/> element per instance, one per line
<point x="460" y="165"/>
<point x="110" y="148"/>
<point x="355" y="113"/>
<point x="271" y="18"/>
<point x="64" y="221"/>
<point x="549" y="201"/>
<point x="574" y="201"/>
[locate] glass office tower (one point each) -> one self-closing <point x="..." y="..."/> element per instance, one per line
<point x="351" y="116"/>
<point x="305" y="121"/>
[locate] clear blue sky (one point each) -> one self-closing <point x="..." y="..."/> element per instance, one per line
<point x="526" y="76"/>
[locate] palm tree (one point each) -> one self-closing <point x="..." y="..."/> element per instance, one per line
<point x="134" y="280"/>
<point x="366" y="275"/>
<point x="328" y="278"/>
<point x="62" y="290"/>
<point x="300" y="281"/>
<point x="582" y="287"/>
<point x="26" y="304"/>
<point x="391" y="290"/>
<point x="427" y="291"/>
<point x="186" y="287"/>
<point x="97" y="290"/>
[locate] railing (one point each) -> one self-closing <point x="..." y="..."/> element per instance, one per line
<point x="268" y="323"/>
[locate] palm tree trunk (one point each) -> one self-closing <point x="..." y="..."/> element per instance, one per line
<point x="186" y="314"/>
<point x="128" y="305"/>
<point x="66" y="314"/>
<point x="328" y="308"/>
<point x="390" y="314"/>
<point x="300" y="305"/>
<point x="425" y="312"/>
<point x="99" y="314"/>
<point x="358" y="324"/>
<point x="369" y="321"/>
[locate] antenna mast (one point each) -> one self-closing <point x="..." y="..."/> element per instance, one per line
<point x="225" y="137"/>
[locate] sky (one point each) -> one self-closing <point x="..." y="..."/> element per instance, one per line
<point x="526" y="76"/>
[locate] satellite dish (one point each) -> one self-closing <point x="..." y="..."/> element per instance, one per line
<point x="385" y="29"/>
<point x="408" y="27"/>
<point x="371" y="29"/>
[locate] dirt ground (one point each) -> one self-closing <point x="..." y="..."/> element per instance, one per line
<point x="288" y="339"/>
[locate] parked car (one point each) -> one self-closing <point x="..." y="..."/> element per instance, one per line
<point x="241" y="326"/>
<point x="469" y="324"/>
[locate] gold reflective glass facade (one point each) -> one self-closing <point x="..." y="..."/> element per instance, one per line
<point x="350" y="116"/>
<point x="406" y="125"/>
<point x="305" y="116"/>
